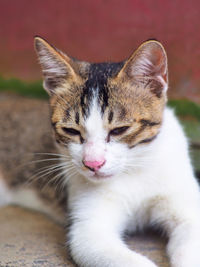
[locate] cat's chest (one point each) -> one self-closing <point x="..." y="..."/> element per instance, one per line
<point x="126" y="197"/>
<point x="134" y="190"/>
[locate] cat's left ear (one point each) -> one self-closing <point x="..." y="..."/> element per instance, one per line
<point x="57" y="67"/>
<point x="148" y="65"/>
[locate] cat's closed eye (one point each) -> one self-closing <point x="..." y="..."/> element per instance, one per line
<point x="119" y="130"/>
<point x="71" y="131"/>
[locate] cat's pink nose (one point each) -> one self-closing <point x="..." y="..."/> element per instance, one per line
<point x="94" y="165"/>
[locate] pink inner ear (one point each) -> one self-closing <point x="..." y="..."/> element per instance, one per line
<point x="165" y="77"/>
<point x="149" y="61"/>
<point x="159" y="63"/>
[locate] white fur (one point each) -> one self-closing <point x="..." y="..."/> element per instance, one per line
<point x="94" y="149"/>
<point x="152" y="184"/>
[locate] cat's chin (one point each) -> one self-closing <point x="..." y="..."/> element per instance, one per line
<point x="102" y="176"/>
<point x="97" y="177"/>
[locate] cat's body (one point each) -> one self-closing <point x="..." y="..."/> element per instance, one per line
<point x="123" y="153"/>
<point x="26" y="137"/>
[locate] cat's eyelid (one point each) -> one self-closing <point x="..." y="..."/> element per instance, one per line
<point x="119" y="130"/>
<point x="71" y="131"/>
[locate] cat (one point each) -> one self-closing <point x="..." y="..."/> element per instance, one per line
<point x="119" y="152"/>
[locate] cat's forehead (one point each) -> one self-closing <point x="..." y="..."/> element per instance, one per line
<point x="77" y="102"/>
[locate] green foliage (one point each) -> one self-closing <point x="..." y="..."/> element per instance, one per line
<point x="189" y="114"/>
<point x="185" y="108"/>
<point x="192" y="129"/>
<point x="30" y="89"/>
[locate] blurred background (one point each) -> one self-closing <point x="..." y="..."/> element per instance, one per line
<point x="106" y="30"/>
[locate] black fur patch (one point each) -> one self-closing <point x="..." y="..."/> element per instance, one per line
<point x="96" y="85"/>
<point x="77" y="118"/>
<point x="110" y="116"/>
<point x="67" y="112"/>
<point x="122" y="113"/>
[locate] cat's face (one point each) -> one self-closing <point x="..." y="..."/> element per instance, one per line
<point x="105" y="116"/>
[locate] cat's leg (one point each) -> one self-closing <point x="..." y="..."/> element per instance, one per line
<point x="100" y="246"/>
<point x="184" y="245"/>
<point x="94" y="238"/>
<point x="181" y="221"/>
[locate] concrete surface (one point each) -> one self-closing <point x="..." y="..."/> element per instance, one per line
<point x="29" y="238"/>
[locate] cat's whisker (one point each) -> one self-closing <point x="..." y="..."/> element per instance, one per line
<point x="61" y="177"/>
<point x="41" y="160"/>
<point x="69" y="176"/>
<point x="53" y="180"/>
<point x="46" y="175"/>
<point x="54" y="166"/>
<point x="45" y="172"/>
<point x="52" y="154"/>
<point x="50" y="170"/>
<point x="27" y="163"/>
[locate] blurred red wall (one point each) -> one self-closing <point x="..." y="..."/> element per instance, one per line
<point x="100" y="30"/>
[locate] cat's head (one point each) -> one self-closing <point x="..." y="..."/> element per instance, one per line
<point x="106" y="115"/>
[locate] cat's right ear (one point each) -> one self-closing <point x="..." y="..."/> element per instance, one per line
<point x="56" y="66"/>
<point x="148" y="65"/>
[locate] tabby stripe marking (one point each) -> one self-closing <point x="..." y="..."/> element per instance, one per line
<point x="149" y="123"/>
<point x="77" y="118"/>
<point x="110" y="117"/>
<point x="148" y="140"/>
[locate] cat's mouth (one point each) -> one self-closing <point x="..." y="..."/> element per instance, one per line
<point x="96" y="174"/>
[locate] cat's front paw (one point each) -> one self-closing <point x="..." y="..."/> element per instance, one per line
<point x="144" y="262"/>
<point x="186" y="256"/>
<point x="182" y="261"/>
<point x="138" y="260"/>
